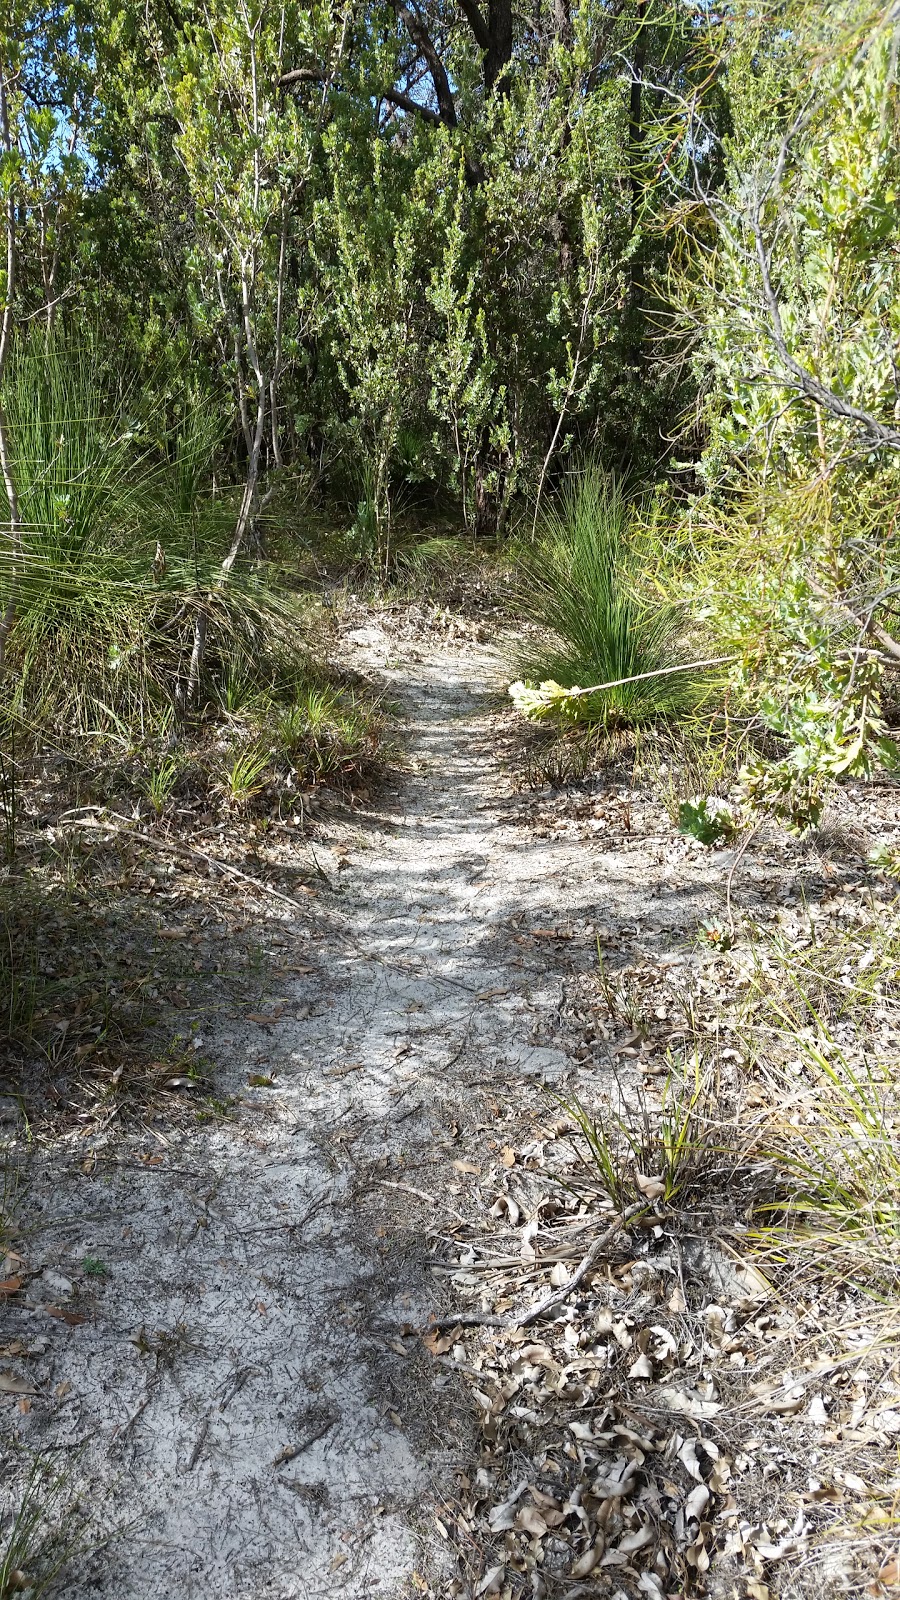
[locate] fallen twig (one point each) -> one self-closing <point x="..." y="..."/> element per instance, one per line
<point x="420" y="1194"/>
<point x="105" y="819"/>
<point x="474" y="1319"/>
<point x="198" y="1446"/>
<point x="731" y="871"/>
<point x="293" y="1222"/>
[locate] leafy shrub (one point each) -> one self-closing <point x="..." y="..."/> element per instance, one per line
<point x="708" y="819"/>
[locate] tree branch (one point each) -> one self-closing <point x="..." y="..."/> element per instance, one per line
<point x="802" y="380"/>
<point x="396" y="97"/>
<point x="302" y="75"/>
<point x="405" y="102"/>
<point x="424" y="43"/>
<point x="476" y="23"/>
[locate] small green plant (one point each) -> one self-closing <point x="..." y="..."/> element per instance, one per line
<point x="94" y="1267"/>
<point x="709" y="819"/>
<point x="325" y="734"/>
<point x="240" y="689"/>
<point x="160" y="783"/>
<point x="886" y="858"/>
<point x="643" y="1152"/>
<point x="244" y="777"/>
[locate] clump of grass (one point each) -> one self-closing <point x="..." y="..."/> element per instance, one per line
<point x="46" y="1533"/>
<point x="160" y="783"/>
<point x="122" y="549"/>
<point x="244" y="776"/>
<point x="327" y="734"/>
<point x="834" y="1141"/>
<point x="829" y="1127"/>
<point x="585" y="589"/>
<point x="642" y="1152"/>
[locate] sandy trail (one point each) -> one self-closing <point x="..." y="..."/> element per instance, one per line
<point x="232" y="1398"/>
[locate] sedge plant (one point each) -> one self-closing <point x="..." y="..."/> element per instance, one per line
<point x="598" y="622"/>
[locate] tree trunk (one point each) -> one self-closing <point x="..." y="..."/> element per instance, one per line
<point x="499" y="51"/>
<point x="6" y="460"/>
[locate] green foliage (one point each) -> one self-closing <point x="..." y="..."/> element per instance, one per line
<point x="161" y="781"/>
<point x="641" y="1153"/>
<point x="797" y="308"/>
<point x="243" y="776"/>
<point x="118" y="551"/>
<point x="327" y="734"/>
<point x="583" y="588"/>
<point x="709" y="820"/>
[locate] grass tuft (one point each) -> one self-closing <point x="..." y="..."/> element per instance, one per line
<point x="585" y="589"/>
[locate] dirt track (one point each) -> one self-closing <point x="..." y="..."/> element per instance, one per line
<point x="233" y="1398"/>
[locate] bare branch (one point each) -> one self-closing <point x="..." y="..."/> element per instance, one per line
<point x="421" y="38"/>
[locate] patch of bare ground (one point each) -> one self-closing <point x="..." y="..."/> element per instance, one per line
<point x="345" y="1304"/>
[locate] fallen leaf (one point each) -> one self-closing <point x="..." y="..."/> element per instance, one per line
<point x="466" y="1166"/>
<point x="490" y="1583"/>
<point x="63" y="1314"/>
<point x="586" y="1563"/>
<point x="817" y="1412"/>
<point x="529" y="1520"/>
<point x="505" y="1205"/>
<point x="615" y="1487"/>
<point x="688" y="1403"/>
<point x="642" y="1368"/>
<point x="10" y="1384"/>
<point x="508" y="1156"/>
<point x="11" y="1285"/>
<point x="438" y="1343"/>
<point x="636" y="1541"/>
<point x="696" y="1503"/>
<point x="503" y="1517"/>
<point x="653" y="1188"/>
<point x="687" y="1455"/>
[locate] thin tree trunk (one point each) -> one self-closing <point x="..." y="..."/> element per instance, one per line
<point x="6" y="461"/>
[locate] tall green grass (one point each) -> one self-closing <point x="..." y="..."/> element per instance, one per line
<point x="585" y="587"/>
<point x="122" y="545"/>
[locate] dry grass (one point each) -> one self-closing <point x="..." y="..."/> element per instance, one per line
<point x="758" y="1294"/>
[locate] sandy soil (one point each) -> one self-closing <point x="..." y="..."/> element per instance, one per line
<point x="230" y="1387"/>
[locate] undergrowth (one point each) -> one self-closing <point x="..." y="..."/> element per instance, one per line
<point x="598" y="621"/>
<point x="48" y="1529"/>
<point x="791" y="1143"/>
